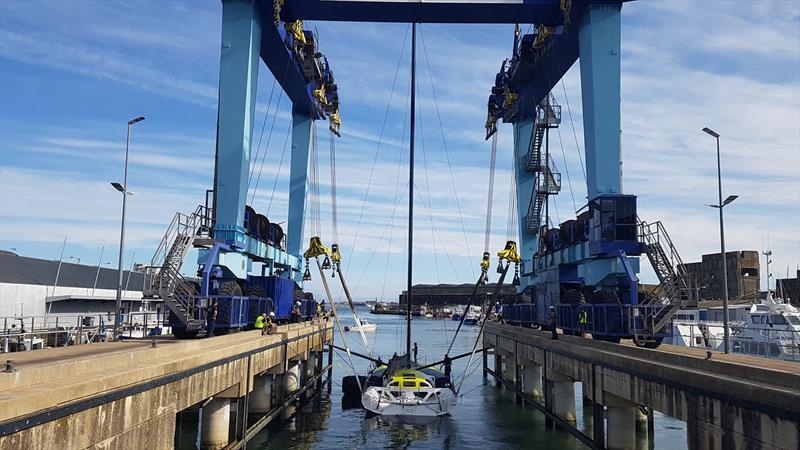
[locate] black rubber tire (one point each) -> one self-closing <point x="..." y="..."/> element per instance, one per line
<point x="231" y="288"/>
<point x="648" y="343"/>
<point x="183" y="333"/>
<point x="255" y="291"/>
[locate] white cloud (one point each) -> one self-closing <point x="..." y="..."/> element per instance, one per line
<point x="738" y="73"/>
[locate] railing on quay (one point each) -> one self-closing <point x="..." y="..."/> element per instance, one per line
<point x="23" y="333"/>
<point x="765" y="342"/>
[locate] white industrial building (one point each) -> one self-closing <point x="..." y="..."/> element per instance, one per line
<point x="29" y="288"/>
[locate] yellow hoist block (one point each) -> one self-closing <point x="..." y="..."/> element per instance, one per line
<point x="335" y="123"/>
<point x="335" y="118"/>
<point x="509" y="253"/>
<point x="485" y="261"/>
<point x="296" y="30"/>
<point x="491" y="122"/>
<point x="542" y="34"/>
<point x="509" y="98"/>
<point x="315" y="248"/>
<point x="336" y="257"/>
<point x="319" y="94"/>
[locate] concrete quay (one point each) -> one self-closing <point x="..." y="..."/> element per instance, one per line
<point x="126" y="395"/>
<point x="727" y="401"/>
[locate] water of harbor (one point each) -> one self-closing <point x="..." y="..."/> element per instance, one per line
<point x="486" y="417"/>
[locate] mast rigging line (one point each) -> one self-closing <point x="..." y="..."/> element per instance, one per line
<point x="378" y="148"/>
<point x="444" y="145"/>
<point x="428" y="208"/>
<point x="396" y="200"/>
<point x="428" y="190"/>
<point x="487" y="235"/>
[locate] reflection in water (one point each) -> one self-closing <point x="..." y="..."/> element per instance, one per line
<point x="485" y="418"/>
<point x="402" y="431"/>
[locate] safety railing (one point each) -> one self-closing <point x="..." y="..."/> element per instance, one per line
<point x="38" y="332"/>
<point x="764" y="342"/>
<point x="674" y="287"/>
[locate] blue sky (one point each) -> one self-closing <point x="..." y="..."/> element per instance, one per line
<point x="72" y="73"/>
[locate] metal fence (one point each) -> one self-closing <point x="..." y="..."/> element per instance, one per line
<point x="23" y="333"/>
<point x="766" y="342"/>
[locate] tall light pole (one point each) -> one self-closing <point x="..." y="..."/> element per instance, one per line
<point x="124" y="190"/>
<point x="720" y="206"/>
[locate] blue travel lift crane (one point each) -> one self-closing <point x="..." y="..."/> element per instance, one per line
<point x="594" y="267"/>
<point x="245" y="262"/>
<point x="590" y="263"/>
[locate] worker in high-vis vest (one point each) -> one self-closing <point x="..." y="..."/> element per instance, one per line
<point x="583" y="320"/>
<point x="260" y="322"/>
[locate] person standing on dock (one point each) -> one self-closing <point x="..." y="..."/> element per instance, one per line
<point x="416" y="349"/>
<point x="583" y="320"/>
<point x="211" y="318"/>
<point x="551" y="316"/>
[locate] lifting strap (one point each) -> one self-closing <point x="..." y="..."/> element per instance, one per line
<point x="338" y="269"/>
<point x="336" y="320"/>
<point x="486" y="307"/>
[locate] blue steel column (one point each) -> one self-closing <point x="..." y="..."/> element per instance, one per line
<point x="238" y="81"/>
<point x="599" y="39"/>
<point x="527" y="242"/>
<point x="302" y="140"/>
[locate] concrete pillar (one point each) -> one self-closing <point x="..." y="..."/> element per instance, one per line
<point x="621" y="414"/>
<point x="216" y="416"/>
<point x="485" y="365"/>
<point x="311" y="366"/>
<point x="641" y="419"/>
<point x="509" y="369"/>
<point x="188" y="426"/>
<point x="564" y="399"/>
<point x="292" y="377"/>
<point x="498" y="366"/>
<point x="261" y="397"/>
<point x="532" y="380"/>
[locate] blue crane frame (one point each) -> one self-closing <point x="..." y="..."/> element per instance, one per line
<point x="250" y="33"/>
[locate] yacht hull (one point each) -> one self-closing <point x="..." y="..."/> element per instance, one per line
<point x="428" y="402"/>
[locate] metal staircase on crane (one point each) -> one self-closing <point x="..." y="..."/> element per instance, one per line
<point x="547" y="179"/>
<point x="674" y="288"/>
<point x="163" y="278"/>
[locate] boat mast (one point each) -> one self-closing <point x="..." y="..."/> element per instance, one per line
<point x="411" y="189"/>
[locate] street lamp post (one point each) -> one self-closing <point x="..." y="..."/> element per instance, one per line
<point x="720" y="206"/>
<point x="124" y="190"/>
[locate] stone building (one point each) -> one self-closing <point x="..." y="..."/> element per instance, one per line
<point x="743" y="275"/>
<point x="455" y="294"/>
